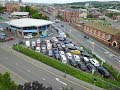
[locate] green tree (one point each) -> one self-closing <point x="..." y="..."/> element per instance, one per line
<point x="36" y="15"/>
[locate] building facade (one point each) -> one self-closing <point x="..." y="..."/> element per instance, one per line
<point x="111" y="39"/>
<point x="27" y="26"/>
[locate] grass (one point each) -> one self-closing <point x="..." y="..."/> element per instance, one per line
<point x="1" y="18"/>
<point x="69" y="70"/>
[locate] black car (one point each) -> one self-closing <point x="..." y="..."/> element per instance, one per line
<point x="90" y="67"/>
<point x="86" y="37"/>
<point x="72" y="62"/>
<point x="85" y="54"/>
<point x="60" y="38"/>
<point x="81" y="66"/>
<point x="103" y="71"/>
<point x="54" y="45"/>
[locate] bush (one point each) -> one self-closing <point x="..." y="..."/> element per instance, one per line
<point x="63" y="67"/>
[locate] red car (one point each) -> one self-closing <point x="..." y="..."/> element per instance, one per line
<point x="9" y="38"/>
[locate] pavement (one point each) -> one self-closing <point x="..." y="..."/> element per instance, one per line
<point x="26" y="69"/>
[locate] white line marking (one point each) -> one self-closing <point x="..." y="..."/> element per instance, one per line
<point x="57" y="79"/>
<point x="43" y="79"/>
<point x="28" y="70"/>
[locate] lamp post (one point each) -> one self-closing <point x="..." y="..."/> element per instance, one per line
<point x="94" y="83"/>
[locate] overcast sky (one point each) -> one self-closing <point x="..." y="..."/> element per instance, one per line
<point x="61" y="1"/>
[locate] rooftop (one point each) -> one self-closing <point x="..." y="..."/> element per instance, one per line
<point x="28" y="22"/>
<point x="114" y="10"/>
<point x="20" y="13"/>
<point x="104" y="28"/>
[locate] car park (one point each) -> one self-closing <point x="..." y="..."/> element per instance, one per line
<point x="81" y="66"/>
<point x="76" y="52"/>
<point x="103" y="71"/>
<point x="94" y="62"/>
<point x="60" y="38"/>
<point x="48" y="42"/>
<point x="54" y="45"/>
<point x="76" y="57"/>
<point x="69" y="56"/>
<point x="33" y="43"/>
<point x="55" y="50"/>
<point x="49" y="46"/>
<point x="90" y="67"/>
<point x="62" y="45"/>
<point x="60" y="48"/>
<point x="38" y="41"/>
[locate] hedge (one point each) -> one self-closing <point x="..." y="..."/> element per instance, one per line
<point x="69" y="70"/>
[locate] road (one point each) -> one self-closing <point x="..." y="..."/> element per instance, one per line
<point x="100" y="50"/>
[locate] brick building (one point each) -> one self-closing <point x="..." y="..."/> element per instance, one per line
<point x="73" y="16"/>
<point x="103" y="33"/>
<point x="12" y="7"/>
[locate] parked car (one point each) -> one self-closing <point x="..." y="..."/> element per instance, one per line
<point x="81" y="66"/>
<point x="61" y="53"/>
<point x="60" y="48"/>
<point x="90" y="67"/>
<point x="49" y="34"/>
<point x="48" y="42"/>
<point x="54" y="45"/>
<point x="9" y="38"/>
<point x="38" y="41"/>
<point x="55" y="39"/>
<point x="76" y="57"/>
<point x="69" y="56"/>
<point x="85" y="54"/>
<point x="103" y="71"/>
<point x="66" y="50"/>
<point x="85" y="60"/>
<point x="55" y="50"/>
<point x="76" y="52"/>
<point x="57" y="56"/>
<point x="1" y="28"/>
<point x="50" y="53"/>
<point x="49" y="46"/>
<point x="20" y="42"/>
<point x="94" y="62"/>
<point x="33" y="43"/>
<point x="62" y="45"/>
<point x="60" y="38"/>
<point x="86" y="37"/>
<point x="79" y="48"/>
<point x="72" y="62"/>
<point x="27" y="43"/>
<point x="64" y="59"/>
<point x="37" y="49"/>
<point x="28" y="36"/>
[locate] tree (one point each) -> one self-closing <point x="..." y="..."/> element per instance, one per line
<point x="36" y="15"/>
<point x="2" y="9"/>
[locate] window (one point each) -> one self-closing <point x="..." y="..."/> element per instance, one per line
<point x="103" y="36"/>
<point x="109" y="38"/>
<point x="98" y="33"/>
<point x="94" y="31"/>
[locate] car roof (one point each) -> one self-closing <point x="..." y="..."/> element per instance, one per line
<point x="86" y="59"/>
<point x="95" y="61"/>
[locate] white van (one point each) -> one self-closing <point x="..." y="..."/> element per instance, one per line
<point x="27" y="43"/>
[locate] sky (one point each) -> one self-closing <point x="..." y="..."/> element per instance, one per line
<point x="61" y="1"/>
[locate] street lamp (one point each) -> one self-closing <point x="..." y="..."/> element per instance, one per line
<point x="94" y="83"/>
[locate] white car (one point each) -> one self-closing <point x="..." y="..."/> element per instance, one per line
<point x="94" y="62"/>
<point x="61" y="53"/>
<point x="49" y="46"/>
<point x="55" y="39"/>
<point x="37" y="49"/>
<point x="86" y="59"/>
<point x="1" y="29"/>
<point x="76" y="57"/>
<point x="28" y="36"/>
<point x="69" y="56"/>
<point x="38" y="41"/>
<point x="33" y="43"/>
<point x="48" y="41"/>
<point x="64" y="59"/>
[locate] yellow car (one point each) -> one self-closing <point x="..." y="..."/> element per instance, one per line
<point x="77" y="52"/>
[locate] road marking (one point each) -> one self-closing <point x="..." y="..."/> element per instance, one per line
<point x="43" y="79"/>
<point x="28" y="70"/>
<point x="57" y="79"/>
<point x="13" y="73"/>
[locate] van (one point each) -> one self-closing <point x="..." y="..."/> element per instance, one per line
<point x="27" y="43"/>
